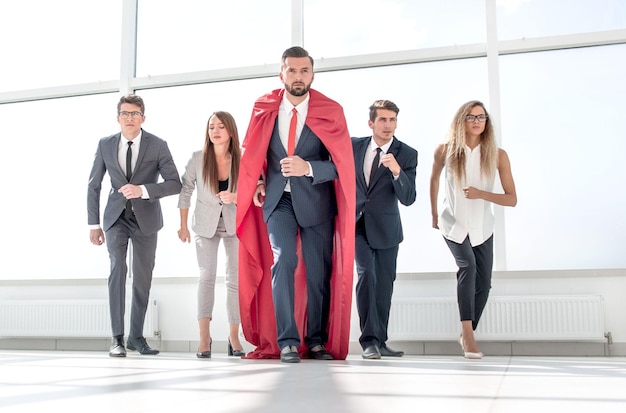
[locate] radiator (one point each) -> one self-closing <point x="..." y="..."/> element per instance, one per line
<point x="505" y="318"/>
<point x="65" y="318"/>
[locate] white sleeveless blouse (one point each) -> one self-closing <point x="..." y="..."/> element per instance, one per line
<point x="461" y="217"/>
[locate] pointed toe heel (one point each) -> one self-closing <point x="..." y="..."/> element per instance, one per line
<point x="205" y="354"/>
<point x="233" y="352"/>
<point x="473" y="356"/>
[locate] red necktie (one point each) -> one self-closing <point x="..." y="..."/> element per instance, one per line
<point x="291" y="140"/>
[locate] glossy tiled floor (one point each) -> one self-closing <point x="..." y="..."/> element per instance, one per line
<point x="60" y="381"/>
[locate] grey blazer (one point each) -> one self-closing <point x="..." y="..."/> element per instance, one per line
<point x="208" y="206"/>
<point x="154" y="159"/>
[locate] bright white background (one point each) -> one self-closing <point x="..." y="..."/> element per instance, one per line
<point x="561" y="114"/>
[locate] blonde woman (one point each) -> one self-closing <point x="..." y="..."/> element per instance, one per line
<point x="214" y="171"/>
<point x="471" y="159"/>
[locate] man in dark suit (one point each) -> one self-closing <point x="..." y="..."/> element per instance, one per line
<point x="298" y="142"/>
<point x="385" y="175"/>
<point x="134" y="159"/>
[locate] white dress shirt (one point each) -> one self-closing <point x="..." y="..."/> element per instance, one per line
<point x="370" y="154"/>
<point x="284" y="120"/>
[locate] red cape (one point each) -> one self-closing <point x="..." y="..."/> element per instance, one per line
<point x="326" y="119"/>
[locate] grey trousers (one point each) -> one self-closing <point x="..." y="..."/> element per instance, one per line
<point x="206" y="251"/>
<point x="144" y="250"/>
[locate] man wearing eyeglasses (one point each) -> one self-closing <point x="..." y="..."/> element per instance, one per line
<point x="134" y="160"/>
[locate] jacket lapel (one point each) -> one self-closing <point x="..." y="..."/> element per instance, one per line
<point x="143" y="148"/>
<point x="393" y="149"/>
<point x="360" y="162"/>
<point x="115" y="148"/>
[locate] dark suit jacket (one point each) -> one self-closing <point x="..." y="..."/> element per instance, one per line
<point x="378" y="204"/>
<point x="326" y="119"/>
<point x="154" y="159"/>
<point x="313" y="198"/>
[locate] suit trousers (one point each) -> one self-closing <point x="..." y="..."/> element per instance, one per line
<point x="206" y="251"/>
<point x="317" y="248"/>
<point x="376" y="270"/>
<point x="473" y="277"/>
<point x="143" y="258"/>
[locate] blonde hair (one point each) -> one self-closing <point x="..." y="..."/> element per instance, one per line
<point x="455" y="156"/>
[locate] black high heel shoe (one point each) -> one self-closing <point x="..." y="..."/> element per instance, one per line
<point x="205" y="354"/>
<point x="233" y="352"/>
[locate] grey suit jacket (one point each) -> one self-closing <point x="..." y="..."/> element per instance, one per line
<point x="208" y="208"/>
<point x="378" y="203"/>
<point x="154" y="159"/>
<point x="313" y="199"/>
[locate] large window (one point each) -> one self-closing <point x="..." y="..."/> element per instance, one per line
<point x="559" y="112"/>
<point x="351" y="27"/>
<point x="563" y="126"/>
<point x="48" y="150"/>
<point x="62" y="42"/>
<point x="196" y="35"/>
<point x="518" y="19"/>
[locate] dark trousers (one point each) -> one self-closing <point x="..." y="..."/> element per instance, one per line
<point x="317" y="248"/>
<point x="144" y="250"/>
<point x="473" y="277"/>
<point x="376" y="270"/>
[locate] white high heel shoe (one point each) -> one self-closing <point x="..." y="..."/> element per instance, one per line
<point x="470" y="354"/>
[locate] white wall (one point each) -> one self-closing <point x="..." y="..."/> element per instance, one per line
<point x="176" y="297"/>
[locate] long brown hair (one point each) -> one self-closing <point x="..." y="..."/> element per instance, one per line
<point x="209" y="168"/>
<point x="455" y="156"/>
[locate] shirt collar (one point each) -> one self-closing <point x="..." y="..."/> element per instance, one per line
<point x="384" y="148"/>
<point x="136" y="141"/>
<point x="286" y="106"/>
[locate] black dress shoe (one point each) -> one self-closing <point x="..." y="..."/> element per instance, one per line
<point x="141" y="345"/>
<point x="387" y="352"/>
<point x="319" y="353"/>
<point x="371" y="352"/>
<point x="117" y="347"/>
<point x="289" y="354"/>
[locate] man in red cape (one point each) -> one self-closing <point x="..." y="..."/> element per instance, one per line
<point x="326" y="120"/>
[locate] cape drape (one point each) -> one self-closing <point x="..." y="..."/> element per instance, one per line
<point x="326" y="119"/>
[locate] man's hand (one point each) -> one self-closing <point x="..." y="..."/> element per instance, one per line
<point x="130" y="191"/>
<point x="259" y="195"/>
<point x="96" y="236"/>
<point x="389" y="161"/>
<point x="294" y="166"/>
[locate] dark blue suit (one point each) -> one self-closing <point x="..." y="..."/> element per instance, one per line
<point x="378" y="235"/>
<point x="309" y="210"/>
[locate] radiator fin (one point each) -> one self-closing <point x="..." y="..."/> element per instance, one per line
<point x="65" y="318"/>
<point x="504" y="318"/>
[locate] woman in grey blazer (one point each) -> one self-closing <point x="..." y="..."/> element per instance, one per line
<point x="214" y="172"/>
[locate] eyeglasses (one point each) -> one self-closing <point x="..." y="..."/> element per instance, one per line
<point x="134" y="115"/>
<point x="472" y="118"/>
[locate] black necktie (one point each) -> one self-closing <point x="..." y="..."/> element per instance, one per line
<point x="375" y="163"/>
<point x="129" y="173"/>
<point x="129" y="158"/>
